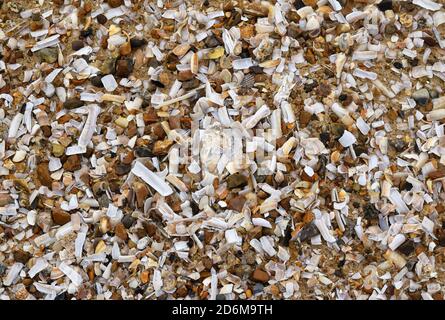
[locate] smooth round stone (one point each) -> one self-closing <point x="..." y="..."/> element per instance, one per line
<point x="422" y="97"/>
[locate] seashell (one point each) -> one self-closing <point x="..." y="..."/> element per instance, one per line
<point x="19" y="156"/>
<point x="270" y="63"/>
<point x="439" y="18"/>
<point x="181" y="49"/>
<point x="339" y="63"/>
<point x="194" y="63"/>
<point x="248" y="81"/>
<point x="387" y="92"/>
<point x="312" y="24"/>
<point x="113" y="30"/>
<point x="215" y="53"/>
<point x="439" y="103"/>
<point x="437" y="114"/>
<point x="428" y="4"/>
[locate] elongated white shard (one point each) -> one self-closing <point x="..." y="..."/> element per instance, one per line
<point x="324" y="231"/>
<point x="242" y="63"/>
<point x="261" y="222"/>
<point x="152" y="179"/>
<point x="428" y="4"/>
<point x="347" y="139"/>
<point x="90" y="125"/>
<point x="362" y="126"/>
<point x="364" y="55"/>
<point x="267" y="246"/>
<point x="232" y="237"/>
<point x="13" y="273"/>
<point x="436" y="115"/>
<point x="335" y="5"/>
<point x="48" y="42"/>
<point x="75" y="277"/>
<point x="15" y="125"/>
<point x="37" y="267"/>
<point x="251" y="121"/>
<point x="396" y="199"/>
<point x="109" y="83"/>
<point x="157" y="280"/>
<point x="397" y="241"/>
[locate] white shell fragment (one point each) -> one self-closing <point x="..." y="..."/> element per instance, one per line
<point x="151" y="179"/>
<point x="347" y="139"/>
<point x="222" y="150"/>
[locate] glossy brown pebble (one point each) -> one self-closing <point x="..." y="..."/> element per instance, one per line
<point x="260" y="275"/>
<point x="60" y="216"/>
<point x="77" y="45"/>
<point x="125" y="49"/>
<point x="73" y="103"/>
<point x="185" y="75"/>
<point x="72" y="163"/>
<point x="122" y="169"/>
<point x="121" y="232"/>
<point x="44" y="175"/>
<point x="128" y="221"/>
<point x="115" y="3"/>
<point x="236" y="180"/>
<point x="150" y="228"/>
<point x="97" y="81"/>
<point x="124" y="67"/>
<point x="101" y="19"/>
<point x="237" y="203"/>
<point x="137" y="43"/>
<point x="21" y="256"/>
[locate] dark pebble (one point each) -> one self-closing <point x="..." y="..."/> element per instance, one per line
<point x="142" y="152"/>
<point x="21" y="256"/>
<point x="360" y="150"/>
<point x="399" y="145"/>
<point x="430" y="41"/>
<point x="299" y="4"/>
<point x="406" y="186"/>
<point x="407" y="247"/>
<point x="73" y="103"/>
<point x="127" y="221"/>
<point x="124" y="67"/>
<point x="398" y="65"/>
<point x="77" y="45"/>
<point x="370" y="211"/>
<point x="220" y="297"/>
<point x="101" y="19"/>
<point x="122" y="169"/>
<point x="61" y="296"/>
<point x="236" y="180"/>
<point x="104" y="201"/>
<point x="284" y="241"/>
<point x="385" y="5"/>
<point x="422" y="97"/>
<point x="157" y="83"/>
<point x="86" y="33"/>
<point x="258" y="288"/>
<point x="2" y="269"/>
<point x="137" y="43"/>
<point x="256" y="69"/>
<point x="308" y="231"/>
<point x="97" y="81"/>
<point x="212" y="41"/>
<point x="325" y="137"/>
<point x="310" y="85"/>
